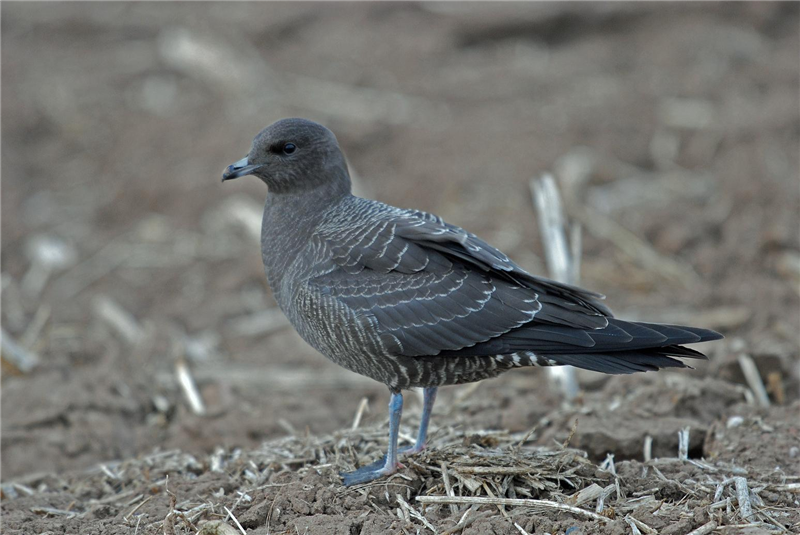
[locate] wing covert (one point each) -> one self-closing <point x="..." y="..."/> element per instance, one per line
<point x="432" y="286"/>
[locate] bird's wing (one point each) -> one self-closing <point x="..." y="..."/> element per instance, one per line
<point x="437" y="234"/>
<point x="434" y="287"/>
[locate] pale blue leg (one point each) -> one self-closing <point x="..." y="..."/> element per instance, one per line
<point x="387" y="465"/>
<point x="428" y="399"/>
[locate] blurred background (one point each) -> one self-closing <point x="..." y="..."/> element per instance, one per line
<point x="672" y="130"/>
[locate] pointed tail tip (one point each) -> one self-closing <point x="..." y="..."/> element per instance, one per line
<point x="707" y="335"/>
<point x="703" y="335"/>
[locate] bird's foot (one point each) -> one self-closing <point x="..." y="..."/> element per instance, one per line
<point x="371" y="472"/>
<point x="377" y="469"/>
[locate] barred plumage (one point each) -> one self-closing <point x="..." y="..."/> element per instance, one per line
<point x="411" y="301"/>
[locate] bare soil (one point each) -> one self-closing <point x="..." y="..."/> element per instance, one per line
<point x="672" y="130"/>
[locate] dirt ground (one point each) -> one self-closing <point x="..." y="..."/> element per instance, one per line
<point x="672" y="130"/>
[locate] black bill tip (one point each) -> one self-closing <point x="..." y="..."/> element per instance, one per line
<point x="237" y="169"/>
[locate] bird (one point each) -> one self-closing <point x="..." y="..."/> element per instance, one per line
<point x="409" y="300"/>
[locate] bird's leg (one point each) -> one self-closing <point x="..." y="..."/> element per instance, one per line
<point x="388" y="465"/>
<point x="428" y="398"/>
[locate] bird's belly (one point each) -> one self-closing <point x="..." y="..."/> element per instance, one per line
<point x="353" y="341"/>
<point x="433" y="371"/>
<point x="343" y="336"/>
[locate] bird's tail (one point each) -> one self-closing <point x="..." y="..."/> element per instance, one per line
<point x="622" y="347"/>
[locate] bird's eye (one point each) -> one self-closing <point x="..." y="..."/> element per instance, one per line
<point x="289" y="148"/>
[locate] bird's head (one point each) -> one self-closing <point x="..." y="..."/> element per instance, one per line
<point x="293" y="155"/>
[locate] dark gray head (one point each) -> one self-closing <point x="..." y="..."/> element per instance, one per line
<point x="294" y="155"/>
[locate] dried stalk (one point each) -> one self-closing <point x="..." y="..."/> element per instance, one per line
<point x="517" y="502"/>
<point x="362" y="408"/>
<point x="563" y="260"/>
<point x="753" y="378"/>
<point x="23" y="359"/>
<point x="189" y="387"/>
<point x="683" y="444"/>
<point x="705" y="529"/>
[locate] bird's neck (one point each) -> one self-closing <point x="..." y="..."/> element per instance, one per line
<point x="289" y="221"/>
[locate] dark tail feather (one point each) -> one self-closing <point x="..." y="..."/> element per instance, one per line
<point x="622" y="361"/>
<point x="673" y="332"/>
<point x="619" y="347"/>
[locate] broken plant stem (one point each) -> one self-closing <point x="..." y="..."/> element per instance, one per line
<point x="515" y="502"/>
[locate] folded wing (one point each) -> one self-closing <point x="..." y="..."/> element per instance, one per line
<point x="433" y="287"/>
